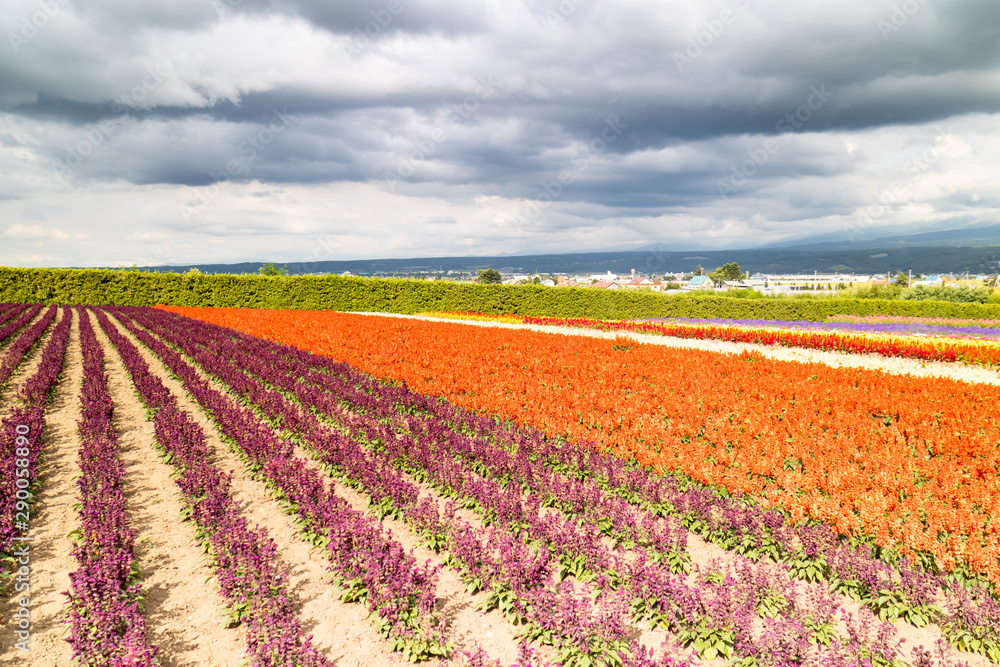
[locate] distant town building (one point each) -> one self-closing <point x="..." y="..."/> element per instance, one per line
<point x="930" y="281"/>
<point x="699" y="282"/>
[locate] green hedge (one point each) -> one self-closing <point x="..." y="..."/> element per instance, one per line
<point x="134" y="288"/>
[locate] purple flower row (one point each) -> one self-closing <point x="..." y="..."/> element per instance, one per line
<point x="24" y="343"/>
<point x="903" y="319"/>
<point x="898" y="328"/>
<point x="15" y="312"/>
<point x="107" y="626"/>
<point x="436" y="464"/>
<point x="367" y="562"/>
<point x="22" y="317"/>
<point x="251" y="576"/>
<point x="9" y="311"/>
<point x="21" y="445"/>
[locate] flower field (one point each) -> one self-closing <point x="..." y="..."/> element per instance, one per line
<point x="499" y="507"/>
<point x="928" y="339"/>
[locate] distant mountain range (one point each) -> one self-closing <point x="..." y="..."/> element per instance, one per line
<point x="868" y="261"/>
<point x="973" y="248"/>
<point x="970" y="235"/>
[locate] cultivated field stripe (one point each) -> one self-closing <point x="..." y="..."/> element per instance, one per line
<point x="107" y="622"/>
<point x="895" y="365"/>
<point x="273" y="401"/>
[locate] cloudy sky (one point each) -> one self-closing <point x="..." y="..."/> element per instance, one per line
<point x="191" y="131"/>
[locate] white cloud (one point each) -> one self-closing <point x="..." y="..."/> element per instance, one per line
<point x="41" y="233"/>
<point x="148" y="236"/>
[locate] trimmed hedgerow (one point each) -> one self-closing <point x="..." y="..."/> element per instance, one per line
<point x="135" y="288"/>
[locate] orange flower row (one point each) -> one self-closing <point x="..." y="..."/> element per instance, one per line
<point x="912" y="461"/>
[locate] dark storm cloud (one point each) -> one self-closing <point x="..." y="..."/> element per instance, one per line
<point x="744" y="81"/>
